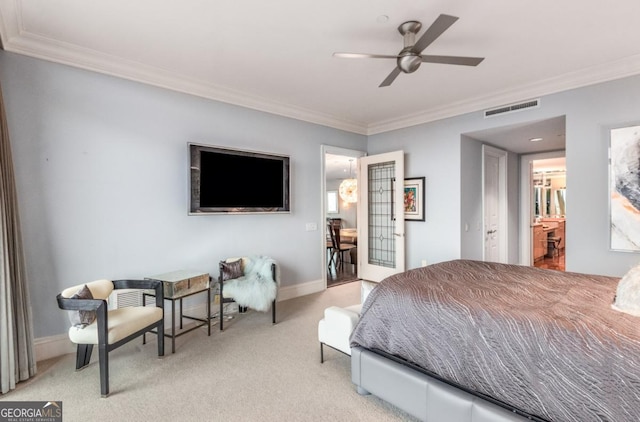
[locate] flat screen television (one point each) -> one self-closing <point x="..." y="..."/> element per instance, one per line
<point x="227" y="180"/>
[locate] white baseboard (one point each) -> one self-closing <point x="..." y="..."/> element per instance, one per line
<point x="54" y="346"/>
<point x="284" y="293"/>
<point x="297" y="290"/>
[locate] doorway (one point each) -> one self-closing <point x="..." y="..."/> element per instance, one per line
<point x="549" y="213"/>
<point x="542" y="212"/>
<point x="339" y="166"/>
<point x="524" y="142"/>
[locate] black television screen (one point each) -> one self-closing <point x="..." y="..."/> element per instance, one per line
<point x="235" y="181"/>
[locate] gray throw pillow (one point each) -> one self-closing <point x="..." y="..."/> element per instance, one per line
<point x="232" y="270"/>
<point x="81" y="319"/>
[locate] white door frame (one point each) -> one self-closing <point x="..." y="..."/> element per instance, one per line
<point x="526" y="202"/>
<point x="503" y="237"/>
<point x="329" y="149"/>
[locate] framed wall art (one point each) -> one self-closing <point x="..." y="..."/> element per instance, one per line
<point x="624" y="188"/>
<point x="414" y="199"/>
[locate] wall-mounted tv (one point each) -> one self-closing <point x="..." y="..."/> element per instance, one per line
<point x="227" y="180"/>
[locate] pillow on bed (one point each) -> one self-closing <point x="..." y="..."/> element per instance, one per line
<point x="232" y="270"/>
<point x="628" y="293"/>
<point x="81" y="319"/>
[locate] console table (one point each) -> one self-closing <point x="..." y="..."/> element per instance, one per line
<point x="176" y="286"/>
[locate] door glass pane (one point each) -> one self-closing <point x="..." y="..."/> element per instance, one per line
<point x="382" y="245"/>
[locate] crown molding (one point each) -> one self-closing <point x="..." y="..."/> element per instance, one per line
<point x="28" y="44"/>
<point x="626" y="67"/>
<point x="17" y="40"/>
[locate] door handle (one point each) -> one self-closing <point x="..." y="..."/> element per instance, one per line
<point x="492" y="231"/>
<point x="399" y="234"/>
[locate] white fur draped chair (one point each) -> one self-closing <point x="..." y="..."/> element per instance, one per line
<point x="250" y="281"/>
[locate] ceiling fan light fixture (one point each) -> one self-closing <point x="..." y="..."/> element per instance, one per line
<point x="409" y="62"/>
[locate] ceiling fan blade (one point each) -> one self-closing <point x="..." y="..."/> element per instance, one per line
<point x="363" y="56"/>
<point x="464" y="61"/>
<point x="441" y="24"/>
<point x="389" y="79"/>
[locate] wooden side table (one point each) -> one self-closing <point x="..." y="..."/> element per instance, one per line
<point x="176" y="286"/>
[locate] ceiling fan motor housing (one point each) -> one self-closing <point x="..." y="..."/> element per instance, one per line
<point x="408" y="60"/>
<point x="409" y="30"/>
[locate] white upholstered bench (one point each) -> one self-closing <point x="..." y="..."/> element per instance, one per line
<point x="335" y="328"/>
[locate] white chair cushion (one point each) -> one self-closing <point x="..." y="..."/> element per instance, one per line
<point x="122" y="322"/>
<point x="335" y="328"/>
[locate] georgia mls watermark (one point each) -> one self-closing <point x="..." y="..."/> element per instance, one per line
<point x="30" y="411"/>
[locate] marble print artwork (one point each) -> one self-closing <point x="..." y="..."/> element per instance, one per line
<point x="625" y="188"/>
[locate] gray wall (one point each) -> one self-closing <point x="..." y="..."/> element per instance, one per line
<point x="431" y="150"/>
<point x="101" y="166"/>
<point x="593" y="111"/>
<point x="449" y="161"/>
<point x="471" y="233"/>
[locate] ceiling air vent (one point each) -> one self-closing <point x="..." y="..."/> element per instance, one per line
<point x="511" y="108"/>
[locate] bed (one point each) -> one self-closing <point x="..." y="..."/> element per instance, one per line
<point x="476" y="341"/>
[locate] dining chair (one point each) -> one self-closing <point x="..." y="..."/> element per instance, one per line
<point x="330" y="252"/>
<point x="340" y="248"/>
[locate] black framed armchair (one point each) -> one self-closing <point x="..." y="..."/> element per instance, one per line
<point x="94" y="324"/>
<point x="250" y="281"/>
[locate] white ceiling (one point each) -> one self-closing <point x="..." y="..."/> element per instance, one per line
<point x="338" y="167"/>
<point x="548" y="135"/>
<point x="276" y="55"/>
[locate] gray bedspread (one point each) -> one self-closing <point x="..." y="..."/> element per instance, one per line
<point x="543" y="341"/>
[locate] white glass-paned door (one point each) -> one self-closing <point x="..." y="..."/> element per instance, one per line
<point x="381" y="228"/>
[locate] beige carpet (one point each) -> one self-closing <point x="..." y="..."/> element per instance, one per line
<point x="253" y="371"/>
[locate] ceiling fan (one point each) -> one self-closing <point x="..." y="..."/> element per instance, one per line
<point x="410" y="57"/>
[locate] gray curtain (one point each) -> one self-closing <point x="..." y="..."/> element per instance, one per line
<point x="17" y="357"/>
